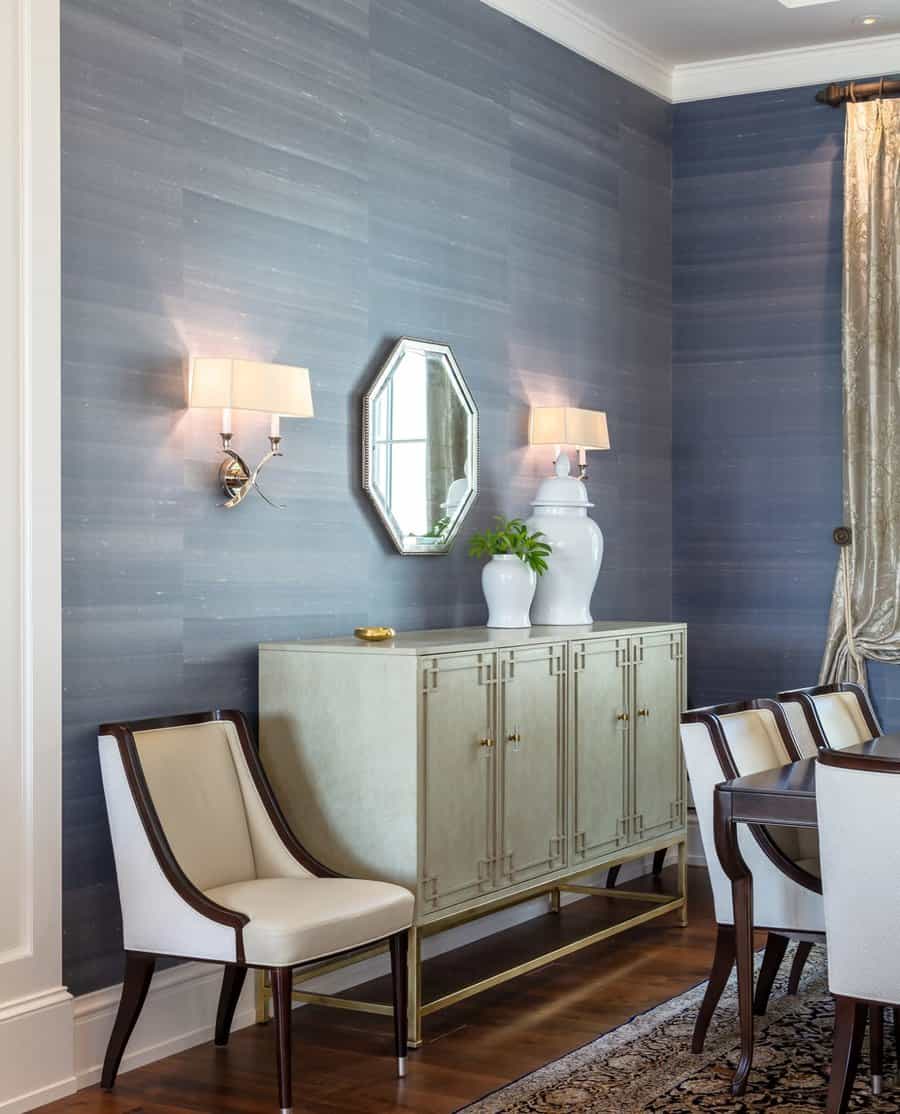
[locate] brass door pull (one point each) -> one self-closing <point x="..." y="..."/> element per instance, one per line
<point x="514" y="737"/>
<point x="622" y="716"/>
<point x="644" y="712"/>
<point x="486" y="743"/>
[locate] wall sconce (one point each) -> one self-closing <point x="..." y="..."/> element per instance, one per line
<point x="231" y="384"/>
<point x="566" y="425"/>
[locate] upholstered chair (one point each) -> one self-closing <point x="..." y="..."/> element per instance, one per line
<point x="829" y="717"/>
<point x="735" y="740"/>
<point x="858" y="803"/>
<point x="208" y="869"/>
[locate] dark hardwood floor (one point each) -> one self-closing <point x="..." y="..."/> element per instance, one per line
<point x="344" y="1061"/>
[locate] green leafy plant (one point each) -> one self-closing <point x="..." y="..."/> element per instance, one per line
<point x="439" y="528"/>
<point x="511" y="539"/>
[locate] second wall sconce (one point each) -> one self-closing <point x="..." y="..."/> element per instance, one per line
<point x="232" y="384"/>
<point x="568" y="426"/>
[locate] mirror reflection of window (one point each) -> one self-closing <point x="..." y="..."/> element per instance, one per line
<point x="401" y="450"/>
<point x="420" y="447"/>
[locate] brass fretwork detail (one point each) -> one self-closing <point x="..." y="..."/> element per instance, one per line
<point x="487" y="672"/>
<point x="485" y="874"/>
<point x="430" y="677"/>
<point x="557" y="661"/>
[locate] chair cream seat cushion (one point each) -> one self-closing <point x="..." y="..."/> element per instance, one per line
<point x="293" y="920"/>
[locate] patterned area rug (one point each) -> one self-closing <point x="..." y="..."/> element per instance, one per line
<point x="647" y="1064"/>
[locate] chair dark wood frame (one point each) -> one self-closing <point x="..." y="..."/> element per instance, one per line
<point x="804" y="697"/>
<point x="850" y="1013"/>
<point x="778" y="936"/>
<point x="139" y="966"/>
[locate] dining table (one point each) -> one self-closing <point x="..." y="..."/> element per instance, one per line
<point x="786" y="797"/>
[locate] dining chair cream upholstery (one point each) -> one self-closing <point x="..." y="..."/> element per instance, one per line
<point x="208" y="869"/>
<point x="829" y="717"/>
<point x="858" y="802"/>
<point x="735" y="740"/>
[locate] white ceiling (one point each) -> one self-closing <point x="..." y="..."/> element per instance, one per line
<point x="681" y="31"/>
<point x="693" y="49"/>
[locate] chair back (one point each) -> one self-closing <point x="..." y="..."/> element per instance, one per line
<point x="190" y="810"/>
<point x="735" y="740"/>
<point x="830" y="717"/>
<point x="191" y="771"/>
<point x="858" y="804"/>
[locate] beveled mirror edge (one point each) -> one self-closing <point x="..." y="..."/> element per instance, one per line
<point x="387" y="368"/>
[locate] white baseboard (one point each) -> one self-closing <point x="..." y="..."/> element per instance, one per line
<point x="180" y="1010"/>
<point x="36" y="1051"/>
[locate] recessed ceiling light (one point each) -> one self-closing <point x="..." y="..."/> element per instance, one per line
<point x="866" y="20"/>
<point x="804" y="3"/>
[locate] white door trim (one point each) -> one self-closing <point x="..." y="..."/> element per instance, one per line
<point x="36" y="1017"/>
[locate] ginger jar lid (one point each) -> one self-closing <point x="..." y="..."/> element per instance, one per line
<point x="562" y="490"/>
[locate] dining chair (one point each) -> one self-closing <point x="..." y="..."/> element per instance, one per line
<point x="827" y="717"/>
<point x="209" y="869"/>
<point x="830" y="717"/>
<point x="726" y="741"/>
<point x="859" y="827"/>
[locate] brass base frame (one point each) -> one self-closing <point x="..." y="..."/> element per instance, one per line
<point x="662" y="905"/>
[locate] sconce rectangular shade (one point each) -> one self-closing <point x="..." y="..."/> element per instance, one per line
<point x="566" y="425"/>
<point x="228" y="383"/>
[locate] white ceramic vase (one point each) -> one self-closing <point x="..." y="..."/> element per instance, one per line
<point x="564" y="592"/>
<point x="509" y="586"/>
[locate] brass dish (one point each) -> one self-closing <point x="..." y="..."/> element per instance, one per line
<point x="374" y="634"/>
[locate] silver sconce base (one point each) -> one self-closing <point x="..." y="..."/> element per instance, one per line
<point x="236" y="478"/>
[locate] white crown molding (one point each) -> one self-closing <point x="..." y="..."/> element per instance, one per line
<point x="570" y="25"/>
<point x="567" y="23"/>
<point x="786" y="69"/>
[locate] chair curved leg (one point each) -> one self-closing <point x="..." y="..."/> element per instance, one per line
<point x="282" y="1000"/>
<point x="612" y="876"/>
<point x="138" y="973"/>
<point x="776" y="946"/>
<point x="876" y="1048"/>
<point x="400" y="975"/>
<point x="723" y="961"/>
<point x="232" y="985"/>
<point x="800" y="958"/>
<point x="849" y="1026"/>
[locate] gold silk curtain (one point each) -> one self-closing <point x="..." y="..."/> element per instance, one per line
<point x="869" y="576"/>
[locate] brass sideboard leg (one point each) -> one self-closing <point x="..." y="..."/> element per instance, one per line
<point x="262" y="1005"/>
<point x="683" y="880"/>
<point x="414" y="964"/>
<point x="554" y="901"/>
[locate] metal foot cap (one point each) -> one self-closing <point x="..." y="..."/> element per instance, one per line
<point x="401" y="1066"/>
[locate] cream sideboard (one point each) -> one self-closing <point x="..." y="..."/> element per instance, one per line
<point x="481" y="767"/>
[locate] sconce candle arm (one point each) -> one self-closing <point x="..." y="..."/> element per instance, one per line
<point x="238" y="481"/>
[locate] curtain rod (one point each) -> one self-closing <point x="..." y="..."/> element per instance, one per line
<point x="836" y="95"/>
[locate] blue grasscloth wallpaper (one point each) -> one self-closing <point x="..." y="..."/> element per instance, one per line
<point x="757" y="391"/>
<point x="304" y="181"/>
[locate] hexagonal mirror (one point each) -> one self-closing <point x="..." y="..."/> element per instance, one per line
<point x="420" y="446"/>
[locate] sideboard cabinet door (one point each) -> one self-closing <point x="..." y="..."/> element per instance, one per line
<point x="599" y="718"/>
<point x="458" y="720"/>
<point x="659" y="806"/>
<point x="532" y="813"/>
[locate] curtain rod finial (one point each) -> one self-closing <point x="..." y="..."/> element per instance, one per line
<point x="843" y="535"/>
